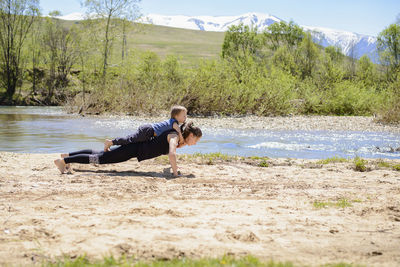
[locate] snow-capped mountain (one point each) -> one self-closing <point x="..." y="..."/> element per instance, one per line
<point x="351" y="44"/>
<point x="73" y="16"/>
<point x="210" y="23"/>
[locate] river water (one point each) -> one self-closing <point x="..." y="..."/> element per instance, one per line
<point x="51" y="130"/>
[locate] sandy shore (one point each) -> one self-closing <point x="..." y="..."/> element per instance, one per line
<point x="234" y="208"/>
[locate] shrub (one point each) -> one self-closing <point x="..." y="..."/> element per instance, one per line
<point x="359" y="164"/>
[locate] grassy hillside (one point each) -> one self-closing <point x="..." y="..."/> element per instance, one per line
<point x="188" y="45"/>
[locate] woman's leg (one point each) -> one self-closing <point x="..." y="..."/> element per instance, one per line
<point x="78" y="158"/>
<point x="120" y="154"/>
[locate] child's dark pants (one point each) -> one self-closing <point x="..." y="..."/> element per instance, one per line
<point x="143" y="134"/>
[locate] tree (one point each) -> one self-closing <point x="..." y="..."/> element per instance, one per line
<point x="308" y="55"/>
<point x="109" y="11"/>
<point x="286" y="60"/>
<point x="124" y="51"/>
<point x="334" y="53"/>
<point x="389" y="47"/>
<point x="353" y="58"/>
<point x="16" y="19"/>
<point x="365" y="70"/>
<point x="282" y="33"/>
<point x="35" y="53"/>
<point x="240" y="40"/>
<point x="60" y="52"/>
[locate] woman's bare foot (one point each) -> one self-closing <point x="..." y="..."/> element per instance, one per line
<point x="69" y="169"/>
<point x="107" y="144"/>
<point x="60" y="165"/>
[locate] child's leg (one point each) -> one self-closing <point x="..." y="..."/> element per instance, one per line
<point x="85" y="151"/>
<point x="144" y="133"/>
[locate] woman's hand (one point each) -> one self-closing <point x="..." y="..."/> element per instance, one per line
<point x="177" y="174"/>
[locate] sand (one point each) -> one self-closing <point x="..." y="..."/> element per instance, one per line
<point x="228" y="208"/>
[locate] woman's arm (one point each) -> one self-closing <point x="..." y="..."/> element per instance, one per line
<point x="173" y="144"/>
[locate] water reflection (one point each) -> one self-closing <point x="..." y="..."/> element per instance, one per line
<point x="48" y="130"/>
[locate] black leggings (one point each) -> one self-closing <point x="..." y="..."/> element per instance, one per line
<point x="119" y="154"/>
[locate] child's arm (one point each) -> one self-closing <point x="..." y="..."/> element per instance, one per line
<point x="178" y="129"/>
<point x="173" y="144"/>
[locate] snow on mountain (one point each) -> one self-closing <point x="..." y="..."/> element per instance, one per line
<point x="210" y="23"/>
<point x="73" y="16"/>
<point x="351" y="44"/>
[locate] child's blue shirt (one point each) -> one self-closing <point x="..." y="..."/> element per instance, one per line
<point x="163" y="126"/>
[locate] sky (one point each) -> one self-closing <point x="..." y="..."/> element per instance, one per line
<point x="360" y="16"/>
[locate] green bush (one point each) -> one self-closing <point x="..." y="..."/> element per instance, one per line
<point x="389" y="111"/>
<point x="360" y="164"/>
<point x="245" y="85"/>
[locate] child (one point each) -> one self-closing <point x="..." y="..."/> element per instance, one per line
<point x="148" y="131"/>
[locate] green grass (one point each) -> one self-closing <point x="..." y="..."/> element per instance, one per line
<point x="189" y="45"/>
<point x="384" y="164"/>
<point x="396" y="167"/>
<point x="202" y="158"/>
<point x="332" y="160"/>
<point x="248" y="261"/>
<point x="258" y="158"/>
<point x="340" y="203"/>
<point x="263" y="163"/>
<point x="360" y="164"/>
<point x="212" y="158"/>
<point x="260" y="161"/>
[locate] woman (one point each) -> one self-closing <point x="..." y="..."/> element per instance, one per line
<point x="166" y="143"/>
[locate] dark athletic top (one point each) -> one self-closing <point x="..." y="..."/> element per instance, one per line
<point x="155" y="147"/>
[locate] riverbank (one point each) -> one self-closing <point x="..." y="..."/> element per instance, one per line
<point x="291" y="123"/>
<point x="305" y="211"/>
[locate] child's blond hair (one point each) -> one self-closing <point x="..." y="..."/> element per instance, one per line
<point x="175" y="110"/>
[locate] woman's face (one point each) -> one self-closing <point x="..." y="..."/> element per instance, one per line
<point x="191" y="139"/>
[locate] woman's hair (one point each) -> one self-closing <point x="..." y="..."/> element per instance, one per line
<point x="188" y="128"/>
<point x="175" y="110"/>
